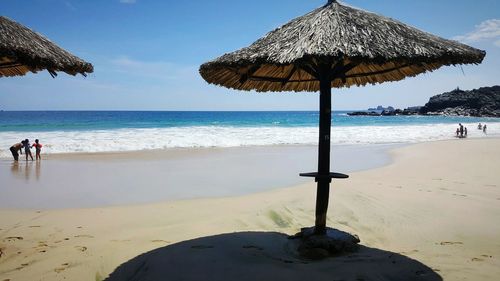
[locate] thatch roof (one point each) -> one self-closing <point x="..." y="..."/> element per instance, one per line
<point x="359" y="47"/>
<point x="23" y="50"/>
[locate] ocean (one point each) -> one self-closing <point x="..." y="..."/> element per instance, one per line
<point x="113" y="131"/>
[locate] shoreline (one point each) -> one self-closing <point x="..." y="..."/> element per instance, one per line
<point x="171" y="138"/>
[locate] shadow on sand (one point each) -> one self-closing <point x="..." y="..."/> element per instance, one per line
<point x="264" y="256"/>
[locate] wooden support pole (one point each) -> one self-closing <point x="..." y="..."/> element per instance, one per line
<point x="323" y="189"/>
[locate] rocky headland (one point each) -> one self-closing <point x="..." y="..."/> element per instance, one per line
<point x="482" y="102"/>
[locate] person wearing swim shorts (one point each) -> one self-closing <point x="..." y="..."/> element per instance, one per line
<point x="15" y="148"/>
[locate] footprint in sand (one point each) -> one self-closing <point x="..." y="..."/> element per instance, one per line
<point x="34" y="226"/>
<point x="409" y="252"/>
<point x="482" y="258"/>
<point x="62" y="268"/>
<point x="42" y="247"/>
<point x="12" y="238"/>
<point x="81" y="248"/>
<point x="23" y="265"/>
<point x="160" y="241"/>
<point x="444" y="243"/>
<point x="84" y="236"/>
<point x="436" y="270"/>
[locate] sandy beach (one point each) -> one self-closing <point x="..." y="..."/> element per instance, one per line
<point x="431" y="214"/>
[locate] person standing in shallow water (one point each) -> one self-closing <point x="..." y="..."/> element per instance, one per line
<point x="38" y="148"/>
<point x="461" y="130"/>
<point x="15" y="148"/>
<point x="27" y="149"/>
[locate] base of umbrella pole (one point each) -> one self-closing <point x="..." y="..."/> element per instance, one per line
<point x="333" y="243"/>
<point x="322" y="195"/>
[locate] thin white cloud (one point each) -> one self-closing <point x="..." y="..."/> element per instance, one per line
<point x="128" y="1"/>
<point x="153" y="69"/>
<point x="487" y="30"/>
<point x="69" y="6"/>
<point x="497" y="43"/>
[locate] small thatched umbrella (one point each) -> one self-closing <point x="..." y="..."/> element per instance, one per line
<point x="23" y="50"/>
<point x="334" y="46"/>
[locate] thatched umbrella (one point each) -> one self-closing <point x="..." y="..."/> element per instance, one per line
<point x="23" y="50"/>
<point x="334" y="46"/>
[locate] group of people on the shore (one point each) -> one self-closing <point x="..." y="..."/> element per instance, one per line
<point x="17" y="149"/>
<point x="482" y="127"/>
<point x="461" y="131"/>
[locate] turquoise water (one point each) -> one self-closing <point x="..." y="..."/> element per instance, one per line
<point x="41" y="121"/>
<point x="106" y="131"/>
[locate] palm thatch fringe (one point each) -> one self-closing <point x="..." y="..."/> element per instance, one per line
<point x="360" y="48"/>
<point x="23" y="50"/>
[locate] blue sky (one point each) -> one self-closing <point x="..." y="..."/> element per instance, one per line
<point x="146" y="53"/>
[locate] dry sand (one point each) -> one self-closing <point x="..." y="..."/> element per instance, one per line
<point x="433" y="213"/>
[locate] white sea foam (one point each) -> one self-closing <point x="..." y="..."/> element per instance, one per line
<point x="222" y="136"/>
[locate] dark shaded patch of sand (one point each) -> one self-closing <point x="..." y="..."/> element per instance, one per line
<point x="265" y="256"/>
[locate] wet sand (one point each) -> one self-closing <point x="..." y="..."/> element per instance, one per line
<point x="429" y="215"/>
<point x="104" y="179"/>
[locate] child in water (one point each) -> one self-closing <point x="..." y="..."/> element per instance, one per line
<point x="27" y="149"/>
<point x="38" y="147"/>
